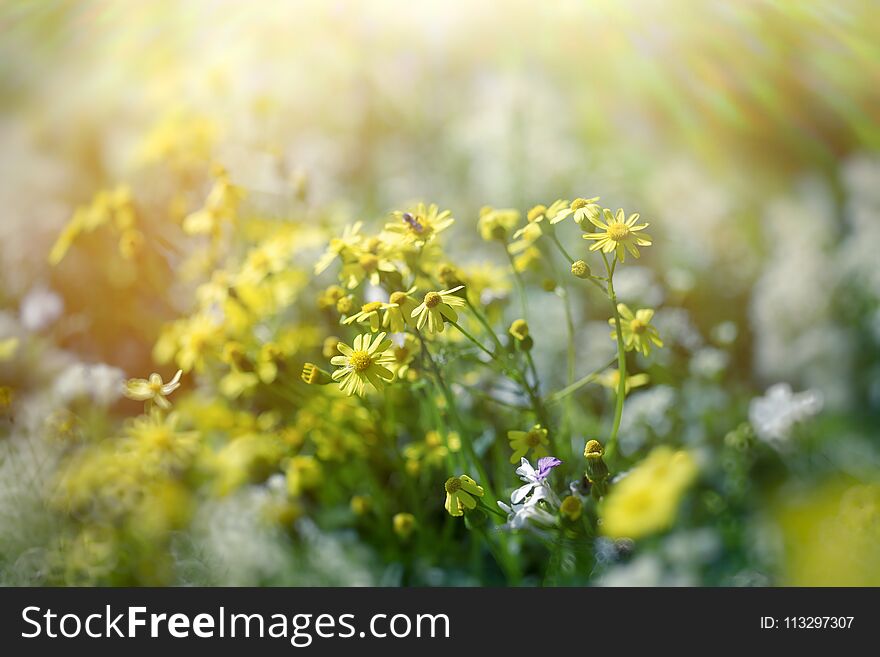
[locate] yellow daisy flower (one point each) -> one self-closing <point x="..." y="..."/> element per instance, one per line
<point x="363" y="363"/>
<point x="435" y="307"/>
<point x="638" y="333"/>
<point x="398" y="311"/>
<point x="582" y="209"/>
<point x="460" y="492"/>
<point x="522" y="441"/>
<point x="420" y="224"/>
<point x="618" y="234"/>
<point x="153" y="389"/>
<point x="369" y="314"/>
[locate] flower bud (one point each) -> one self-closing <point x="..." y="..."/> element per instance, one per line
<point x="580" y="269"/>
<point x="597" y="471"/>
<point x="404" y="524"/>
<point x="315" y="376"/>
<point x="571" y="508"/>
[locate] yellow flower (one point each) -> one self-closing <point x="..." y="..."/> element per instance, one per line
<point x="611" y="379"/>
<point x="421" y="224"/>
<point x="582" y="209"/>
<point x="197" y="336"/>
<point x="267" y="362"/>
<point x="360" y="505"/>
<point x="571" y="508"/>
<point x="7" y="395"/>
<point x="460" y="492"/>
<point x="637" y="331"/>
<point x="435" y="307"/>
<point x="522" y="441"/>
<point x="221" y="205"/>
<point x="496" y="224"/>
<point x="529" y="234"/>
<point x="369" y="264"/>
<point x="369" y="314"/>
<point x="618" y="234"/>
<point x="404" y="355"/>
<point x="303" y="473"/>
<point x="646" y="500"/>
<point x="8" y="348"/>
<point x="398" y="311"/>
<point x="404" y="524"/>
<point x="365" y="363"/>
<point x="432" y="451"/>
<point x="153" y="389"/>
<point x="339" y="246"/>
<point x="158" y="444"/>
<point x="519" y="329"/>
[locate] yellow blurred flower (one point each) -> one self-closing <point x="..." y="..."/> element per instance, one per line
<point x="611" y="379"/>
<point x="831" y="535"/>
<point x="636" y="328"/>
<point x="8" y="348"/>
<point x="646" y="500"/>
<point x="496" y="224"/>
<point x="534" y="440"/>
<point x="303" y="473"/>
<point x="404" y="524"/>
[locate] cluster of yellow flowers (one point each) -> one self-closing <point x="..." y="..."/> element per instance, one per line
<point x="420" y="320"/>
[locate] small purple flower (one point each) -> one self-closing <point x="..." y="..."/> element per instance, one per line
<point x="412" y="222"/>
<point x="545" y="465"/>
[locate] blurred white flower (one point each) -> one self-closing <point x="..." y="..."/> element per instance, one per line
<point x="40" y="308"/>
<point x="773" y="415"/>
<point x="99" y="382"/>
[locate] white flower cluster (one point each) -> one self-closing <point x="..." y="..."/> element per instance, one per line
<point x="774" y="414"/>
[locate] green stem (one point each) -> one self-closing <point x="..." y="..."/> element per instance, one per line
<point x="580" y="383"/>
<point x="520" y="286"/>
<point x="472" y="339"/>
<point x="561" y="248"/>
<point x="621" y="361"/>
<point x="453" y="411"/>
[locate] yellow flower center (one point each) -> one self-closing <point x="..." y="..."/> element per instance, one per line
<point x="637" y="326"/>
<point x="155" y="387"/>
<point x="360" y="360"/>
<point x="398" y="297"/>
<point x="593" y="449"/>
<point x="533" y="437"/>
<point x="369" y="262"/>
<point x="432" y="299"/>
<point x="453" y="484"/>
<point x="578" y="203"/>
<point x="618" y="231"/>
<point x="371" y="307"/>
